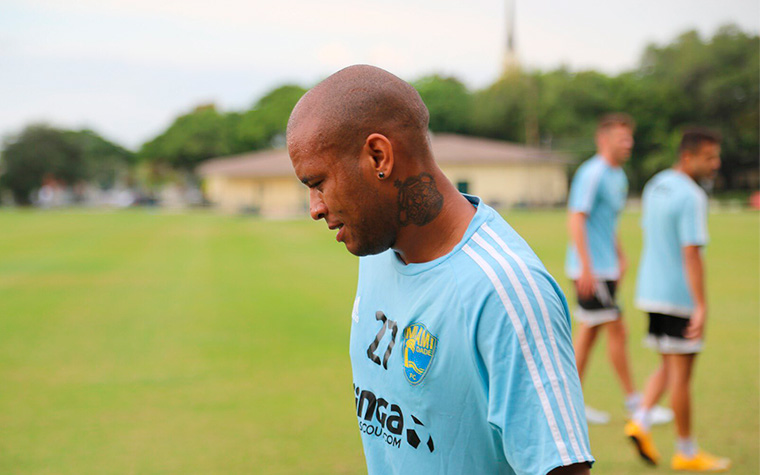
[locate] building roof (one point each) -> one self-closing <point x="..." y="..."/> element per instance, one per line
<point x="448" y="149"/>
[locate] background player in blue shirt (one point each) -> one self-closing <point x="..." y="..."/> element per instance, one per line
<point x="460" y="340"/>
<point x="671" y="288"/>
<point x="595" y="260"/>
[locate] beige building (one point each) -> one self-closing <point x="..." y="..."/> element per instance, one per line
<point x="503" y="174"/>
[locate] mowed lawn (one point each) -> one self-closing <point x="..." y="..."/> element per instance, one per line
<point x="144" y="342"/>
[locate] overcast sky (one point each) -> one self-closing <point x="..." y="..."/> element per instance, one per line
<point x="127" y="68"/>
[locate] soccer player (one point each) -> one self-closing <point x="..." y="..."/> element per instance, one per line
<point x="595" y="260"/>
<point x="460" y="340"/>
<point x="671" y="288"/>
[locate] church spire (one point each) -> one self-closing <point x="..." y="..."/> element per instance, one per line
<point x="511" y="63"/>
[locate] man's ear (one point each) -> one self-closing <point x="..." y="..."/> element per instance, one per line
<point x="377" y="155"/>
<point x="686" y="159"/>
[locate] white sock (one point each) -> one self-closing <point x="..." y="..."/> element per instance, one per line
<point x="641" y="417"/>
<point x="632" y="401"/>
<point x="687" y="446"/>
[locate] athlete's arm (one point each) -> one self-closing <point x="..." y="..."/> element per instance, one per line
<point x="574" y="469"/>
<point x="695" y="276"/>
<point x="577" y="229"/>
<point x="534" y="397"/>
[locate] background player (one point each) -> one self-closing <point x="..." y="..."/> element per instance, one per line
<point x="460" y="341"/>
<point x="595" y="259"/>
<point x="671" y="288"/>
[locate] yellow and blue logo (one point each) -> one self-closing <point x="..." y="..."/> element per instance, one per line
<point x="419" y="350"/>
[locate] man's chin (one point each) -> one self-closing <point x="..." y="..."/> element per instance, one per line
<point x="353" y="248"/>
<point x="361" y="250"/>
<point x="356" y="252"/>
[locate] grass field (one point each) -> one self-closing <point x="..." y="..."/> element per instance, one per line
<point x="134" y="342"/>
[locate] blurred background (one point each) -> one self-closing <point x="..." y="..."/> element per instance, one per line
<point x="165" y="305"/>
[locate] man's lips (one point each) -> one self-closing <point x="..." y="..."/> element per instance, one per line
<point x="339" y="227"/>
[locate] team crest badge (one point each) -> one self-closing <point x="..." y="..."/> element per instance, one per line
<point x="419" y="350"/>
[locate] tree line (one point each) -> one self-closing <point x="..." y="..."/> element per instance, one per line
<point x="712" y="82"/>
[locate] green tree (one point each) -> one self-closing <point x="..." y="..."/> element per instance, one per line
<point x="713" y="83"/>
<point x="40" y="151"/>
<point x="264" y="124"/>
<point x="449" y="103"/>
<point x="192" y="138"/>
<point x="652" y="107"/>
<point x="569" y="105"/>
<point x="689" y="81"/>
<point x="105" y="162"/>
<point x="500" y="110"/>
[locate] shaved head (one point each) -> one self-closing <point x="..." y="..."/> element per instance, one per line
<point x="359" y="141"/>
<point x="344" y="109"/>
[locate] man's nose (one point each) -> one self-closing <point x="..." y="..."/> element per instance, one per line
<point x="317" y="207"/>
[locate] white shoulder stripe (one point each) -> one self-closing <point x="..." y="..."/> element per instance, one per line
<point x="549" y="329"/>
<point x="546" y="361"/>
<point x="532" y="368"/>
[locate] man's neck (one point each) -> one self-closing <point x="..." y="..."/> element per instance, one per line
<point x="416" y="244"/>
<point x="680" y="168"/>
<point x="608" y="160"/>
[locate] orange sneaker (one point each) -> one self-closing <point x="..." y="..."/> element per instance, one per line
<point x="643" y="441"/>
<point x="702" y="462"/>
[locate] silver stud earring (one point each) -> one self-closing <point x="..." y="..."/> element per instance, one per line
<point x="381" y="175"/>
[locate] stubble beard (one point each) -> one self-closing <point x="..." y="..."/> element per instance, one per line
<point x="375" y="233"/>
<point x="376" y="229"/>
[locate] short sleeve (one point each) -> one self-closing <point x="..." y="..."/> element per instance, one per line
<point x="534" y="395"/>
<point x="692" y="221"/>
<point x="584" y="188"/>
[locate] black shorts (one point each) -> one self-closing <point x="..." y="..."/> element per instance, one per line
<point x="661" y="324"/>
<point x="603" y="297"/>
<point x="666" y="335"/>
<point x="601" y="307"/>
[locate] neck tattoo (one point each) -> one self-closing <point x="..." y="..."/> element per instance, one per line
<point x="419" y="201"/>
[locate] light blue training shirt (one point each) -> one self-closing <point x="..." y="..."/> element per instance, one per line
<point x="464" y="364"/>
<point x="599" y="191"/>
<point x="674" y="215"/>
